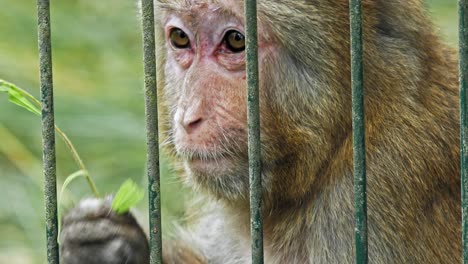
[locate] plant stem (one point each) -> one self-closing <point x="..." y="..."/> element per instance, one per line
<point x="64" y="137"/>
<point x="78" y="160"/>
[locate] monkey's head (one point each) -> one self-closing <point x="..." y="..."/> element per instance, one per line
<point x="204" y="101"/>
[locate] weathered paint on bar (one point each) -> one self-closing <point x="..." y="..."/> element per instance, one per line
<point x="151" y="98"/>
<point x="48" y="129"/>
<point x="359" y="147"/>
<point x="463" y="35"/>
<point x="255" y="169"/>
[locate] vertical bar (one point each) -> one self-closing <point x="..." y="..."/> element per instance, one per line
<point x="463" y="67"/>
<point x="359" y="148"/>
<point x="48" y="132"/>
<point x="256" y="220"/>
<point x="151" y="110"/>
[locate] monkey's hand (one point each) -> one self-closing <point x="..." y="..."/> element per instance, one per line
<point x="92" y="233"/>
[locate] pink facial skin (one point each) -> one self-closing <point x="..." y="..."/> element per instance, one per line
<point x="210" y="121"/>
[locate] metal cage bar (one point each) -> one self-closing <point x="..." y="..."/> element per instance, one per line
<point x="48" y="129"/>
<point x="359" y="148"/>
<point x="151" y="110"/>
<point x="256" y="219"/>
<point x="463" y="41"/>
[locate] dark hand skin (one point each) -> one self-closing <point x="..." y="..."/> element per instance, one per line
<point x="93" y="234"/>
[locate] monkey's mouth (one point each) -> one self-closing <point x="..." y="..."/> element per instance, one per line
<point x="208" y="162"/>
<point x="211" y="166"/>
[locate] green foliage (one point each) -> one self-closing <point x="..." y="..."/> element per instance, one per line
<point x="70" y="178"/>
<point x="22" y="98"/>
<point x="126" y="197"/>
<point x="17" y="96"/>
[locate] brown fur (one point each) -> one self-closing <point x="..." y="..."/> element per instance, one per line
<point x="411" y="135"/>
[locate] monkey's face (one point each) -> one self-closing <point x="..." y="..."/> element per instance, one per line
<point x="204" y="92"/>
<point x="205" y="85"/>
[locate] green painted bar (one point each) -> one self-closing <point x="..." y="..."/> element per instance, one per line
<point x="255" y="168"/>
<point x="151" y="99"/>
<point x="359" y="147"/>
<point x="463" y="35"/>
<point x="48" y="132"/>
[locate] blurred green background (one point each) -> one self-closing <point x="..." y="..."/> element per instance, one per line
<point x="99" y="104"/>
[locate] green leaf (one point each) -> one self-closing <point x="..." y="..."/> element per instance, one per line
<point x="18" y="98"/>
<point x="69" y="179"/>
<point x="128" y="195"/>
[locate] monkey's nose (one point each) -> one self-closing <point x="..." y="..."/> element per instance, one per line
<point x="192" y="124"/>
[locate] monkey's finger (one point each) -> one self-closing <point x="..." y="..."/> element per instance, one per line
<point x="93" y="233"/>
<point x="113" y="251"/>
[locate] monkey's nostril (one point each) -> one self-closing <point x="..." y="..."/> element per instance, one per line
<point x="190" y="127"/>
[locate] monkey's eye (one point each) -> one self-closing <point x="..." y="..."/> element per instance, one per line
<point x="179" y="38"/>
<point x="235" y="41"/>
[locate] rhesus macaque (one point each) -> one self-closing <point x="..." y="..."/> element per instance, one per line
<point x="411" y="134"/>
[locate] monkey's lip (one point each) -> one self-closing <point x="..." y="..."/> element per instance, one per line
<point x="209" y="164"/>
<point x="208" y="159"/>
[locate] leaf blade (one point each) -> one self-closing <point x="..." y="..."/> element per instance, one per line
<point x="15" y="96"/>
<point x="18" y="99"/>
<point x="70" y="178"/>
<point x="128" y="195"/>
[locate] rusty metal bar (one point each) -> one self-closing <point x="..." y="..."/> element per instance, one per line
<point x="359" y="146"/>
<point x="255" y="169"/>
<point x="463" y="71"/>
<point x="151" y="99"/>
<point x="48" y="129"/>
